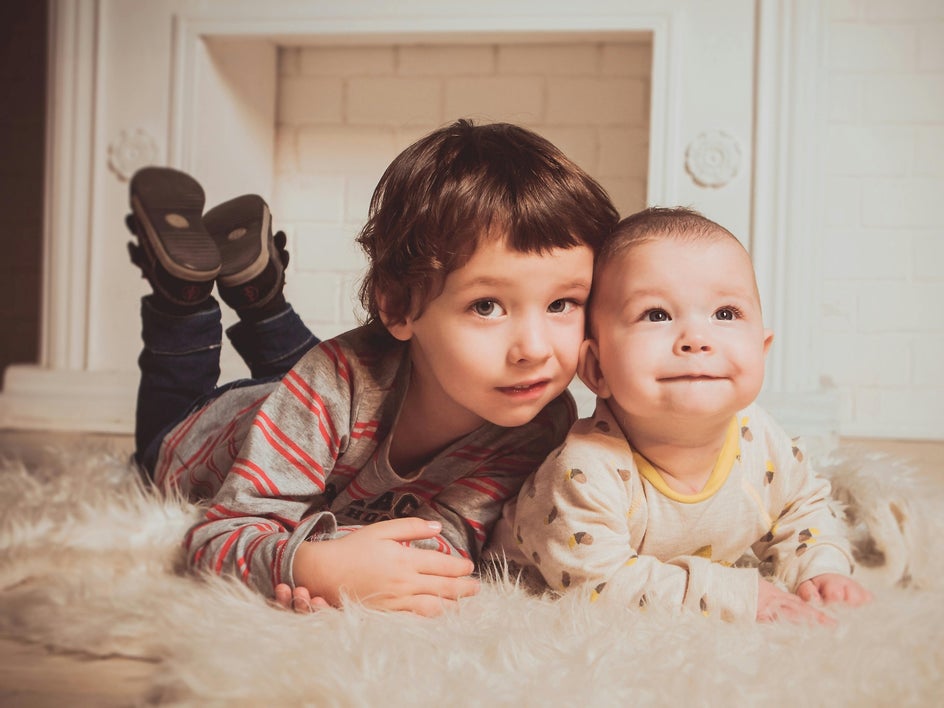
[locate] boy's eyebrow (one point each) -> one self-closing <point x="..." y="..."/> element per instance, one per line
<point x="491" y="281"/>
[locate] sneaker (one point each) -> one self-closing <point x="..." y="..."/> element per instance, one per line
<point x="253" y="260"/>
<point x="175" y="252"/>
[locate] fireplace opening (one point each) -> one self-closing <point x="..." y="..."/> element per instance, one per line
<point x="344" y="112"/>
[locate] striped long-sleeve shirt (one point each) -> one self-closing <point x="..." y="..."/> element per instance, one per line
<point x="307" y="458"/>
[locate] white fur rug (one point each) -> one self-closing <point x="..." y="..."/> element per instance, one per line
<point x="89" y="561"/>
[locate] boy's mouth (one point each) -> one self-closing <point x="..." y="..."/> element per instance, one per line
<point x="524" y="388"/>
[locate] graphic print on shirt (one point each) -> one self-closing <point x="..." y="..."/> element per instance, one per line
<point x="389" y="505"/>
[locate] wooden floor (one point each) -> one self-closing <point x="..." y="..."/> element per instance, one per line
<point x="33" y="676"/>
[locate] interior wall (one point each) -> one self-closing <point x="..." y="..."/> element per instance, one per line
<point x="345" y="112"/>
<point x="882" y="318"/>
<point x="22" y="136"/>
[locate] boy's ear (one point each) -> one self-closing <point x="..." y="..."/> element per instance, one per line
<point x="588" y="368"/>
<point x="401" y="329"/>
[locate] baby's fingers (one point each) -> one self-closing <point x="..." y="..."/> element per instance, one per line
<point x="808" y="592"/>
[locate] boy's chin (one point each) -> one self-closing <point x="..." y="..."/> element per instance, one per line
<point x="514" y="416"/>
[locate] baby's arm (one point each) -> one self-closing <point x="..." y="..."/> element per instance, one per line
<point x="575" y="526"/>
<point x="807" y="543"/>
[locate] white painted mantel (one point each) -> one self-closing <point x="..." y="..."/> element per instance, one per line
<point x="192" y="84"/>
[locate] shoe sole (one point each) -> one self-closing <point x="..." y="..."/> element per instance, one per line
<point x="168" y="204"/>
<point x="241" y="229"/>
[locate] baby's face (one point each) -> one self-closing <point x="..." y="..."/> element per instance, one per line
<point x="679" y="332"/>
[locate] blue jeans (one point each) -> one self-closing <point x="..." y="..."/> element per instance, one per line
<point x="180" y="365"/>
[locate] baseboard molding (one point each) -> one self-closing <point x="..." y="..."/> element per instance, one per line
<point x="37" y="398"/>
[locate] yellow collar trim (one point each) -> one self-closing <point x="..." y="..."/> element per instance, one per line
<point x="719" y="475"/>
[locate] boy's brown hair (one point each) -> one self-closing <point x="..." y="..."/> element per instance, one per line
<point x="459" y="185"/>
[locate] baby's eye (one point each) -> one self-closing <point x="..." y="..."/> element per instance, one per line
<point x="488" y="309"/>
<point x="657" y="315"/>
<point x="727" y="314"/>
<point x="562" y="306"/>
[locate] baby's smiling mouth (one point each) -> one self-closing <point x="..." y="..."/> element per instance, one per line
<point x="691" y="377"/>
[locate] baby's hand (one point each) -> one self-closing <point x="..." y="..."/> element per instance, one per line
<point x="774" y="604"/>
<point x="297" y="600"/>
<point x="832" y="587"/>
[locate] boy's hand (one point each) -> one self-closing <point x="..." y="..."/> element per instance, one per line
<point x="375" y="565"/>
<point x="298" y="600"/>
<point x="774" y="604"/>
<point x="832" y="587"/>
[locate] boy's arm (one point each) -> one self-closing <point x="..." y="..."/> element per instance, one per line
<point x="271" y="499"/>
<point x="269" y="521"/>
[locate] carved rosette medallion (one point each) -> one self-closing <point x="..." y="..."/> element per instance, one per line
<point x="130" y="152"/>
<point x="713" y="159"/>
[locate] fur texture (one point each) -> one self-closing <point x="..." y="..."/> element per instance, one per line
<point x="90" y="561"/>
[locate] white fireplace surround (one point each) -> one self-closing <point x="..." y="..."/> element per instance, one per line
<point x="204" y="72"/>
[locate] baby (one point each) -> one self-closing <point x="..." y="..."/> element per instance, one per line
<point x="679" y="473"/>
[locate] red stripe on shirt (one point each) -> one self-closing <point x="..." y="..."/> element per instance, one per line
<point x="309" y="398"/>
<point x="275" y="437"/>
<point x="492" y="491"/>
<point x="251" y="472"/>
<point x="221" y="556"/>
<point x="334" y="352"/>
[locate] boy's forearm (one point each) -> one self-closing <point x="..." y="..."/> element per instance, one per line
<point x="258" y="551"/>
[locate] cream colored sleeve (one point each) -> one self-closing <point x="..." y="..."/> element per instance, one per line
<point x="572" y="524"/>
<point x="806" y="538"/>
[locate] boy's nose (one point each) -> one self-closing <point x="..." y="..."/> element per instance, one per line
<point x="531" y="344"/>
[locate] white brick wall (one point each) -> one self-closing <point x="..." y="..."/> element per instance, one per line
<point x="883" y="237"/>
<point x="345" y="112"/>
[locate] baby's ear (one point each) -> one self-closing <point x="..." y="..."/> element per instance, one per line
<point x="588" y="368"/>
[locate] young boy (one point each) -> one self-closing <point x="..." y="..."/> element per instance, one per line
<point x="374" y="465"/>
<point x="678" y="473"/>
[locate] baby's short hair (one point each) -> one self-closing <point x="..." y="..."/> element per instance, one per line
<point x="656" y="223"/>
<point x="463" y="183"/>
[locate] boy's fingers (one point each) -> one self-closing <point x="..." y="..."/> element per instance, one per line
<point x="283" y="596"/>
<point x="447" y="588"/>
<point x="424" y="605"/>
<point x="301" y="601"/>
<point x="429" y="562"/>
<point x="408" y="528"/>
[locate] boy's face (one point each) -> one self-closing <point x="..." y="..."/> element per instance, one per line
<point x="502" y="339"/>
<point x="678" y="333"/>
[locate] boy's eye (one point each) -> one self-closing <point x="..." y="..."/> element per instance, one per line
<point x="487" y="308"/>
<point x="727" y="314"/>
<point x="562" y="306"/>
<point x="657" y="315"/>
